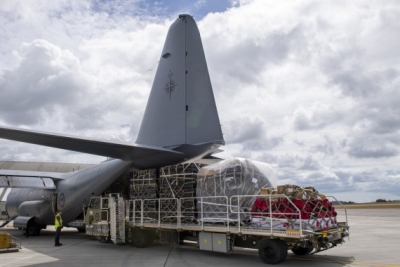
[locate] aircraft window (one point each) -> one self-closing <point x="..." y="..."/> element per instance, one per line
<point x="94" y="203"/>
<point x="104" y="215"/>
<point x="104" y="203"/>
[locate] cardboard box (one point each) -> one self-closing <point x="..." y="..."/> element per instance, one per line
<point x="5" y="240"/>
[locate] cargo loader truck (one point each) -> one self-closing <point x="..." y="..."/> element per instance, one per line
<point x="273" y="221"/>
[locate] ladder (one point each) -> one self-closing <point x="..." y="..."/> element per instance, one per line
<point x="117" y="220"/>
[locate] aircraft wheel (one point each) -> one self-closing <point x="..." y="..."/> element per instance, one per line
<point x="30" y="229"/>
<point x="37" y="229"/>
<point x="140" y="239"/>
<point x="272" y="251"/>
<point x="33" y="229"/>
<point x="81" y="229"/>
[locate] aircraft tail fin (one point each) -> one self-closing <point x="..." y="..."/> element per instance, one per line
<point x="181" y="108"/>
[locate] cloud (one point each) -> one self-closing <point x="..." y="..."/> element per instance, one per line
<point x="315" y="117"/>
<point x="309" y="86"/>
<point x="372" y="147"/>
<point x="250" y="133"/>
<point x="46" y="77"/>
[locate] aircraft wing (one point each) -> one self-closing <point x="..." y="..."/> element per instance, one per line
<point x="85" y="145"/>
<point x="31" y="179"/>
<point x="18" y="173"/>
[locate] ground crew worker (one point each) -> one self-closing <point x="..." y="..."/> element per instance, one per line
<point x="58" y="224"/>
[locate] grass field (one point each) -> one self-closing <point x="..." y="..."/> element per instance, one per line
<point x="373" y="205"/>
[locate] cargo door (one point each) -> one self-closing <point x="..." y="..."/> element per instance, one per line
<point x="54" y="202"/>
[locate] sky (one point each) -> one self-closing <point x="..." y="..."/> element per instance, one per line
<point x="310" y="87"/>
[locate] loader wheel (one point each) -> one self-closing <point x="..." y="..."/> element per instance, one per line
<point x="272" y="251"/>
<point x="284" y="248"/>
<point x="140" y="239"/>
<point x="302" y="251"/>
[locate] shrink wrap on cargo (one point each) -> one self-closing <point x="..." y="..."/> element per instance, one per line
<point x="219" y="183"/>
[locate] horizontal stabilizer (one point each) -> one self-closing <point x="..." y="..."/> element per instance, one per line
<point x="95" y="147"/>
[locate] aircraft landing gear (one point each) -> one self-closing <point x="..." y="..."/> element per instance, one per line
<point x="32" y="229"/>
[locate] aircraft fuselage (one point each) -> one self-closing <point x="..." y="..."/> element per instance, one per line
<point x="72" y="193"/>
<point x="42" y="210"/>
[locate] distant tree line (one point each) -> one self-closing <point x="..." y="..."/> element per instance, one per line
<point x="380" y="200"/>
<point x="343" y="202"/>
<point x="384" y="200"/>
<point x="348" y="202"/>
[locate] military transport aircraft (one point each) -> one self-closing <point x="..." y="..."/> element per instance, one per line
<point x="180" y="123"/>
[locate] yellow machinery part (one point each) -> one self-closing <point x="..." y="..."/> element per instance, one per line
<point x="5" y="240"/>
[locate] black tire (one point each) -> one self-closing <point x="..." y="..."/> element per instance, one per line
<point x="284" y="248"/>
<point x="33" y="229"/>
<point x="272" y="251"/>
<point x="30" y="229"/>
<point x="81" y="229"/>
<point x="140" y="239"/>
<point x="37" y="229"/>
<point x="302" y="251"/>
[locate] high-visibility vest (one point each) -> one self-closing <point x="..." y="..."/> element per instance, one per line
<point x="58" y="221"/>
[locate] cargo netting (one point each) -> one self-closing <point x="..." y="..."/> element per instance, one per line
<point x="144" y="186"/>
<point x="217" y="184"/>
<point x="178" y="182"/>
<point x="292" y="206"/>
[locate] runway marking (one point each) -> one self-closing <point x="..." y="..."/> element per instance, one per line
<point x="348" y="262"/>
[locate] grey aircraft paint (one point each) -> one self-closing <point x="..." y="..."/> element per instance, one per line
<point x="180" y="123"/>
<point x="182" y="87"/>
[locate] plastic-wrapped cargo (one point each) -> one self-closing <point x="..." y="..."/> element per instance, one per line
<point x="217" y="184"/>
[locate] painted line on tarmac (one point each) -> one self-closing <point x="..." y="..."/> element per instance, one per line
<point x="349" y="262"/>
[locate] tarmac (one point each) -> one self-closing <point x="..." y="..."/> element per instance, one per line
<point x="374" y="241"/>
